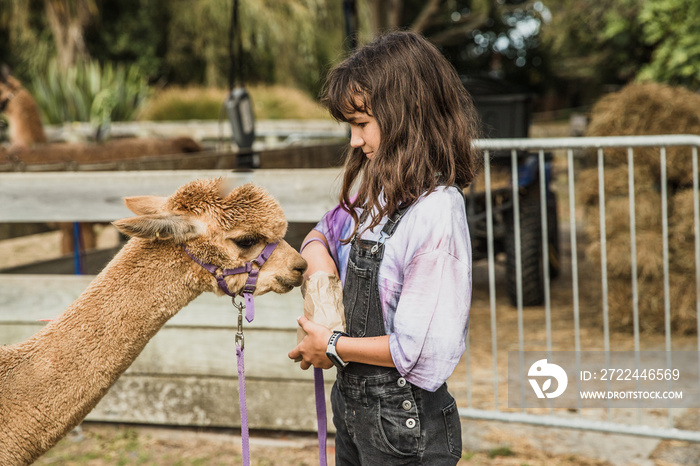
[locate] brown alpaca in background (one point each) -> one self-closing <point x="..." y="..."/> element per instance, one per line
<point x="51" y="381"/>
<point x="22" y="113"/>
<point x="28" y="146"/>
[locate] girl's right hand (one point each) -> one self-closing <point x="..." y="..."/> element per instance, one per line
<point x="312" y="348"/>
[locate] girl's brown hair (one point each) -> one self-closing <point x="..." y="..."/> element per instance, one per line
<point x="426" y="118"/>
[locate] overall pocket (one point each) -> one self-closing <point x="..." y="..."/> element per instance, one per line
<point x="399" y="423"/>
<point x="453" y="428"/>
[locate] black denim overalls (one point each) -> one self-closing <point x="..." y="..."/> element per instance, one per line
<point x="380" y="418"/>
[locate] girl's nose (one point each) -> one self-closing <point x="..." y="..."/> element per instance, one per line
<point x="355" y="139"/>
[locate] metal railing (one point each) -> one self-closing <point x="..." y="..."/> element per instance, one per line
<point x="569" y="154"/>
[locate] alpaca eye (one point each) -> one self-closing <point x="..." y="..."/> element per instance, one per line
<point x="245" y="242"/>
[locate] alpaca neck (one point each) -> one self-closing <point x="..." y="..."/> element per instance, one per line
<point x="26" y="128"/>
<point x="56" y="377"/>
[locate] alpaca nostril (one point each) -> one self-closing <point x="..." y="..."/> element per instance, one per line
<point x="301" y="267"/>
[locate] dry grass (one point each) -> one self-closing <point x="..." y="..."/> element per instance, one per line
<point x="649" y="109"/>
<point x="205" y="103"/>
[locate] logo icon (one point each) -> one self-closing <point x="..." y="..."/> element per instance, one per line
<point x="542" y="368"/>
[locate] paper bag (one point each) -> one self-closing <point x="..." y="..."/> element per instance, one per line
<point x="323" y="302"/>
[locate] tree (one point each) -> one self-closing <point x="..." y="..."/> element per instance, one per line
<point x="477" y="36"/>
<point x="670" y="27"/>
<point x="599" y="41"/>
<point x="68" y="20"/>
<point x="284" y="41"/>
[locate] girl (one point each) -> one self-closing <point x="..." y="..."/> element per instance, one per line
<point x="401" y="247"/>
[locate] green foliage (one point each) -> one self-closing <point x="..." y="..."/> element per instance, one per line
<point x="289" y="42"/>
<point x="671" y="27"/>
<point x="186" y="42"/>
<point x="501" y="451"/>
<point x="617" y="41"/>
<point x="596" y="41"/>
<point x="88" y="92"/>
<point x="130" y="31"/>
<point x="29" y="41"/>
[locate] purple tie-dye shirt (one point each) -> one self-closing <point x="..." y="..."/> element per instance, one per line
<point x="425" y="283"/>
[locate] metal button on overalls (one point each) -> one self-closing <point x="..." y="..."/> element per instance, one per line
<point x="401" y="382"/>
<point x="410" y="423"/>
<point x="406" y="405"/>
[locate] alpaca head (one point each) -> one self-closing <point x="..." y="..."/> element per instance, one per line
<point x="222" y="228"/>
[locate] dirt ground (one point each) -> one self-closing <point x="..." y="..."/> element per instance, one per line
<point x="102" y="445"/>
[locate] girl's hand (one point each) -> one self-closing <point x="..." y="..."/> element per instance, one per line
<point x="312" y="348"/>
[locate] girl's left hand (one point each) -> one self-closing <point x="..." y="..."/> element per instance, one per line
<point x="312" y="348"/>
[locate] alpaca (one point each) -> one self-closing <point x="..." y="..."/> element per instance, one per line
<point x="28" y="146"/>
<point x="21" y="111"/>
<point x="51" y="381"/>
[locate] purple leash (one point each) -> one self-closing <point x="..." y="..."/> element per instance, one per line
<point x="320" y="415"/>
<point x="245" y="439"/>
<point x="247" y="293"/>
<point x="240" y="344"/>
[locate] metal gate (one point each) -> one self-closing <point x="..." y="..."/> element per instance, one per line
<point x="592" y="325"/>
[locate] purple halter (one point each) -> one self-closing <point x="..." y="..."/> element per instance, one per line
<point x="249" y="287"/>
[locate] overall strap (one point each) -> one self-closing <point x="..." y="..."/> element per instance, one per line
<point x="389" y="228"/>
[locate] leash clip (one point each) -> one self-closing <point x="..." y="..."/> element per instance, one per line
<point x="240" y="340"/>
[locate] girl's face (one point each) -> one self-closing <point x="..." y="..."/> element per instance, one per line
<point x="364" y="132"/>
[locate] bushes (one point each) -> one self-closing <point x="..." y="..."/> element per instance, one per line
<point x="197" y="103"/>
<point x="88" y="91"/>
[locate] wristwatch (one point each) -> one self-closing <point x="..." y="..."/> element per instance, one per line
<point x="330" y="350"/>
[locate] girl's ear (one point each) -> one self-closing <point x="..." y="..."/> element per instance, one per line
<point x="179" y="228"/>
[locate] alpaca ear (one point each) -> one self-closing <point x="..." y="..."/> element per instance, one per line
<point x="161" y="227"/>
<point x="4" y="72"/>
<point x="145" y="205"/>
<point x="226" y="187"/>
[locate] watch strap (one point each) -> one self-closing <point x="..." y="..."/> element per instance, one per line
<point x="331" y="351"/>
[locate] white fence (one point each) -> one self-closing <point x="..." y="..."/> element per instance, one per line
<point x="574" y="315"/>
<point x="578" y="317"/>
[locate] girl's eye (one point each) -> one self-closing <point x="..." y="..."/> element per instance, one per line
<point x="245" y="242"/>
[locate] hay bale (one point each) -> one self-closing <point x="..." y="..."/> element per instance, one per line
<point x="649" y="249"/>
<point x="617" y="203"/>
<point x="619" y="256"/>
<point x="649" y="109"/>
<point x="645" y="109"/>
<point x="616" y="180"/>
<point x="681" y="232"/>
<point x="651" y="305"/>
